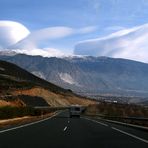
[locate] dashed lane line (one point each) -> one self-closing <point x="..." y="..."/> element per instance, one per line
<point x="65" y="128"/>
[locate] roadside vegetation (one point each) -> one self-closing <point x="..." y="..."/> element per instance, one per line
<point x="8" y="112"/>
<point x="115" y="109"/>
<point x="128" y="113"/>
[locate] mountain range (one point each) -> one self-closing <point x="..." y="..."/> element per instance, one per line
<point x="87" y="75"/>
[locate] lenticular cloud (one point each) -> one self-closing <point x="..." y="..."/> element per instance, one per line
<point x="129" y="43"/>
<point x="11" y="32"/>
<point x="34" y="39"/>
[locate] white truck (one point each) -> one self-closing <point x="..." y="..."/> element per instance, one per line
<point x="75" y="111"/>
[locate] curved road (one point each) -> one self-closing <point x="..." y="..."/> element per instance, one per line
<point x="64" y="132"/>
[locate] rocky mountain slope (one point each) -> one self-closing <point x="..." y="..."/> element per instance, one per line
<point x="89" y="75"/>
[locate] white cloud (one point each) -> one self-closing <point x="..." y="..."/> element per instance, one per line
<point x="34" y="39"/>
<point x="11" y="32"/>
<point x="14" y="35"/>
<point x="128" y="43"/>
<point x="45" y="52"/>
<point x="18" y="38"/>
<point x="87" y="29"/>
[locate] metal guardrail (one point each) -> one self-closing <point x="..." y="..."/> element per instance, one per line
<point x="119" y="117"/>
<point x="127" y="118"/>
<point x="132" y="120"/>
<point x="48" y="108"/>
<point x="56" y="108"/>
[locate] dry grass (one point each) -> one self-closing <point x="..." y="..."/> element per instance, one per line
<point x="113" y="109"/>
<point x="14" y="103"/>
<point x="119" y="112"/>
<point x="54" y="99"/>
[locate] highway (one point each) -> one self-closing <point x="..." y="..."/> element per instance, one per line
<point x="61" y="131"/>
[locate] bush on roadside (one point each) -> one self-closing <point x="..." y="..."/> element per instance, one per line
<point x="12" y="112"/>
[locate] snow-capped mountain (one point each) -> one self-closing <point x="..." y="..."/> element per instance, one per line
<point x="7" y="52"/>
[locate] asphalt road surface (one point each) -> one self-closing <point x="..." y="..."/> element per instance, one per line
<point x="64" y="132"/>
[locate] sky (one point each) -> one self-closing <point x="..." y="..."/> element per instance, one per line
<point x="73" y="21"/>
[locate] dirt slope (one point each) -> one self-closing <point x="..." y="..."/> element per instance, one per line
<point x="53" y="99"/>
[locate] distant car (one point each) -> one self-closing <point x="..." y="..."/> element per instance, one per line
<point x="75" y="111"/>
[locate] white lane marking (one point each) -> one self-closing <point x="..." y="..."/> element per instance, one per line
<point x="65" y="128"/>
<point x="96" y="121"/>
<point x="131" y="135"/>
<point x="21" y="126"/>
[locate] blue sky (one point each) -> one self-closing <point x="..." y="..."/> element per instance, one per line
<point x="107" y="16"/>
<point x="36" y="14"/>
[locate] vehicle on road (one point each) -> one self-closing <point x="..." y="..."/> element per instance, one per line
<point x="75" y="111"/>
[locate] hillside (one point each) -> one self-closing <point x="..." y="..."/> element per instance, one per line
<point x="14" y="73"/>
<point x="18" y="87"/>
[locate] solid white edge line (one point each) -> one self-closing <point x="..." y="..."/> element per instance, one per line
<point x="25" y="125"/>
<point x="127" y="124"/>
<point x="95" y="121"/>
<point x="65" y="128"/>
<point x="131" y="135"/>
